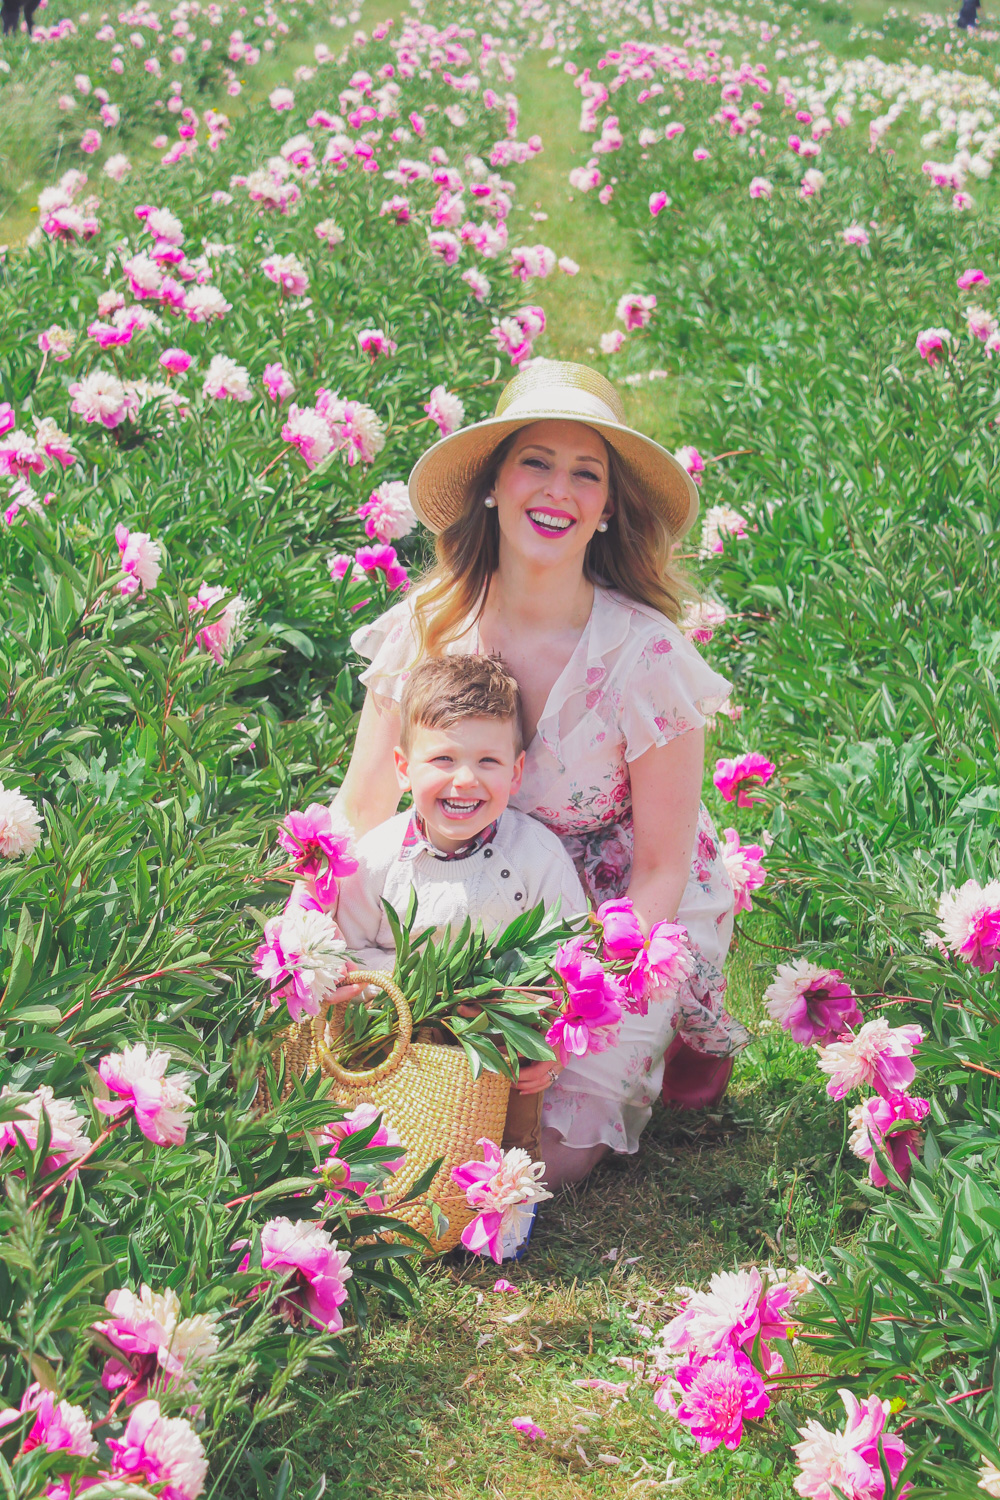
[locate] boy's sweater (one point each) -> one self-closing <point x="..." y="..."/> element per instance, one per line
<point x="523" y="865"/>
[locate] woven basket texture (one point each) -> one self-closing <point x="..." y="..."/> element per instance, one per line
<point x="426" y="1093"/>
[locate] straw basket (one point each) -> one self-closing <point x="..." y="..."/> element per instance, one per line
<point x="426" y="1092"/>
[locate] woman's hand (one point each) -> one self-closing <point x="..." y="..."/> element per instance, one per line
<point x="535" y="1077"/>
<point x="344" y="993"/>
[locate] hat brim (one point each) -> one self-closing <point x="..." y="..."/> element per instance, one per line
<point x="442" y="477"/>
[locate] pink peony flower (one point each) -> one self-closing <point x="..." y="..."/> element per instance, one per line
<point x="319" y="854"/>
<point x="856" y="234"/>
<point x="58" y="1427"/>
<point x="970" y="922"/>
<point x="761" y="187"/>
<point x="316" y="1272"/>
<point x="382" y="558"/>
<point x="67" y="1138"/>
<point x="658" y="202"/>
<point x="660" y="966"/>
<point x="527" y="1428"/>
<point x="736" y="1310"/>
<point x="20" y="824"/>
<point x="592" y="1010"/>
<point x="815" y="1005"/>
<point x="162" y="1451"/>
<point x="528" y="261"/>
<point x="933" y="344"/>
<point x="374" y="343"/>
<point x="90" y="141"/>
<point x="444" y="245"/>
<point x="140" y="557"/>
<point x="878" y="1055"/>
<point x="7" y="417"/>
<point x="55" y="341"/>
<point x="396" y="208"/>
<point x="161" y="1105"/>
<point x="635" y="310"/>
<point x="278" y="383"/>
<point x="691" y="460"/>
<point x="217" y="637"/>
<point x="568" y="266"/>
<point x="387" y="513"/>
<point x="301" y="958"/>
<point x="309" y="432"/>
<point x="735" y="779"/>
<point x="337" y="1173"/>
<point x="175" y="361"/>
<point x="972" y="278"/>
<point x="159" y="1347"/>
<point x="477" y="283"/>
<point x="100" y="397"/>
<point x="226" y="379"/>
<point x="744" y="868"/>
<point x="288" y="272"/>
<point x="622" y="936"/>
<point x="356" y="430"/>
<point x="850" y="1460"/>
<point x="719" y="1395"/>
<point x="702" y="619"/>
<point x="720" y="522"/>
<point x="503" y="1187"/>
<point x="505" y="1288"/>
<point x="872" y="1118"/>
<point x="611" y="342"/>
<point x="20" y="455"/>
<point x="446" y="409"/>
<point x="281" y="100"/>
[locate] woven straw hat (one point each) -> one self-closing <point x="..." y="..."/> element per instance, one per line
<point x="550" y="390"/>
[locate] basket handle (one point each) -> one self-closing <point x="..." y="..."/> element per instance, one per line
<point x="388" y="985"/>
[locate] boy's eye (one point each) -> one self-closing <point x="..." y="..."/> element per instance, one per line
<point x="490" y="760"/>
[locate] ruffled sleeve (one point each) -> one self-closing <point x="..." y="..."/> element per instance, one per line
<point x="390" y="646"/>
<point x="668" y="690"/>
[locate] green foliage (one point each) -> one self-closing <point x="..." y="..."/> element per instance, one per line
<point x="504" y="977"/>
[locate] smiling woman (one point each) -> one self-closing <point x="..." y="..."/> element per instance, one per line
<point x="555" y="527"/>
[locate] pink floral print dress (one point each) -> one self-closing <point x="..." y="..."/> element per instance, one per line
<point x="633" y="681"/>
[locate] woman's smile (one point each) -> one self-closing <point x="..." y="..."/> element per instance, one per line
<point x="549" y="522"/>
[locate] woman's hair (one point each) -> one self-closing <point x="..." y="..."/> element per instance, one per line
<point x="634" y="556"/>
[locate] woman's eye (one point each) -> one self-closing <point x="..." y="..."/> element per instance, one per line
<point x="536" y="463"/>
<point x="586" y="474"/>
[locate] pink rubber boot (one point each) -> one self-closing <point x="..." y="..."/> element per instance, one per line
<point x="692" y="1080"/>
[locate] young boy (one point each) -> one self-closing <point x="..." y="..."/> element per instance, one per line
<point x="460" y="847"/>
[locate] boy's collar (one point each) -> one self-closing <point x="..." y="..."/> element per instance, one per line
<point x="415" y="841"/>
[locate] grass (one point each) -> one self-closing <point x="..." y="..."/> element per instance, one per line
<point x="580" y="308"/>
<point x="432" y="1396"/>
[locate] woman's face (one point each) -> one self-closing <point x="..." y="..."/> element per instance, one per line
<point x="551" y="492"/>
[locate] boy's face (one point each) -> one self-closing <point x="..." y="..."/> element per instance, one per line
<point x="461" y="777"/>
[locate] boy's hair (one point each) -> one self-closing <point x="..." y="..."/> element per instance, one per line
<point x="444" y="690"/>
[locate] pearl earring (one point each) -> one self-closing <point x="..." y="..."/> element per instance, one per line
<point x="490" y="502"/>
<point x="602" y="525"/>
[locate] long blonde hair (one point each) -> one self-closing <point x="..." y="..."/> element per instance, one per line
<point x="634" y="556"/>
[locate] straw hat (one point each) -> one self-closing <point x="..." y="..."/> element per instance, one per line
<point x="550" y="390"/>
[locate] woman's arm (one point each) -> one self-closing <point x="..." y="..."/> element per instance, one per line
<point x="666" y="795"/>
<point x="370" y="792"/>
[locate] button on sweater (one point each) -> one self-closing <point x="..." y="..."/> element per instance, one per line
<point x="524" y="865"/>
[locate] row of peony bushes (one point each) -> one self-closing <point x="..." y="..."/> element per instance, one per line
<point x="830" y="330"/>
<point x="216" y="371"/>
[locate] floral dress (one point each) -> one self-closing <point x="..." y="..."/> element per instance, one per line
<point x="632" y="682"/>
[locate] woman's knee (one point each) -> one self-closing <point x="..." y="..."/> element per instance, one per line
<point x="566" y="1165"/>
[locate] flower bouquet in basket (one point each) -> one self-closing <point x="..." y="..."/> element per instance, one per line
<point x="437" y="1044"/>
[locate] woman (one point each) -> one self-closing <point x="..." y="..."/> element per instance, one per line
<point x="554" y="526"/>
